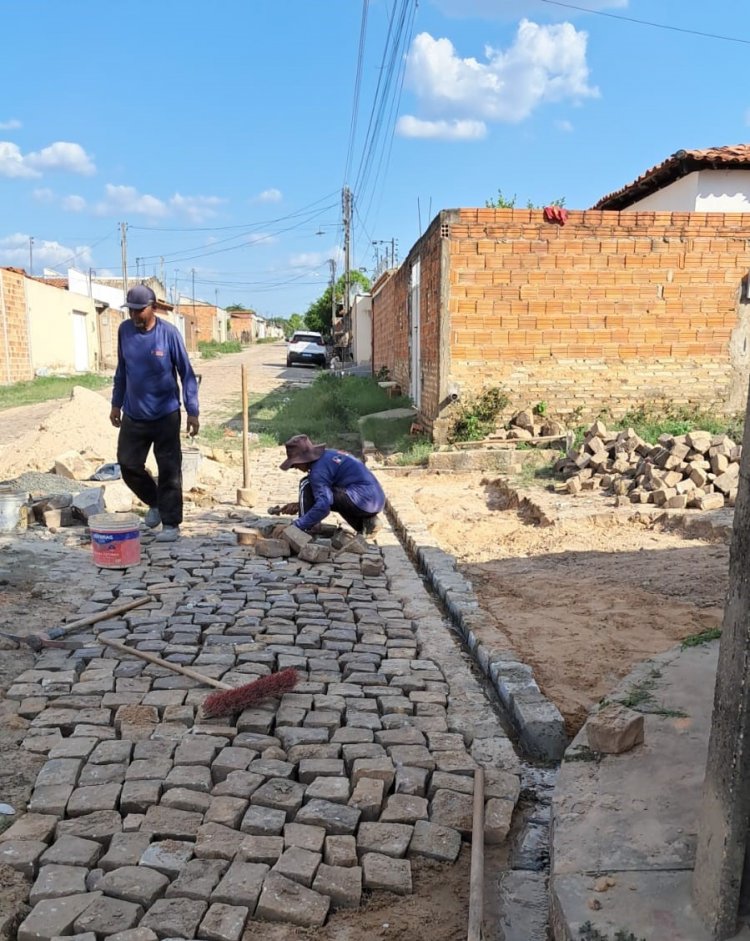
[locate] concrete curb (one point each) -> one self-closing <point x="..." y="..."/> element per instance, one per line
<point x="538" y="722"/>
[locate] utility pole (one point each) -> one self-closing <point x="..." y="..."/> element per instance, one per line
<point x="124" y="247"/>
<point x="332" y="263"/>
<point x="31" y="255"/>
<point x="162" y="276"/>
<point x="192" y="271"/>
<point x="347" y="246"/>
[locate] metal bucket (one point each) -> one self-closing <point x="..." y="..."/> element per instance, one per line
<point x="12" y="511"/>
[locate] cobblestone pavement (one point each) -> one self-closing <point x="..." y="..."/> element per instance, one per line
<point x="147" y="816"/>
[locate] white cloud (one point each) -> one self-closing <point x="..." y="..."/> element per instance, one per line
<point x="195" y="208"/>
<point x="43" y="195"/>
<point x="14" y="251"/>
<point x="544" y="64"/>
<point x="565" y="126"/>
<point x="127" y="199"/>
<point x="316" y="259"/>
<point x="73" y="203"/>
<point x="12" y="162"/>
<point x="409" y="126"/>
<point x="11" y="125"/>
<point x="271" y="195"/>
<point x="509" y="10"/>
<point x="61" y="155"/>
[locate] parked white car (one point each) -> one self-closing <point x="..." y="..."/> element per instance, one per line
<point x="305" y="347"/>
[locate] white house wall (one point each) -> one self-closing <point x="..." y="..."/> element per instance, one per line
<point x="679" y="196"/>
<point x="703" y="191"/>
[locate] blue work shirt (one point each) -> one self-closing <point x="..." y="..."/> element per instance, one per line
<point x="148" y="363"/>
<point x="339" y="470"/>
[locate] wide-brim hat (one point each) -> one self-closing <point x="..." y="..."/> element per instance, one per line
<point x="301" y="450"/>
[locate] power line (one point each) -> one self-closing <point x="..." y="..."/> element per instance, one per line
<point x="632" y="19"/>
<point x="357" y="89"/>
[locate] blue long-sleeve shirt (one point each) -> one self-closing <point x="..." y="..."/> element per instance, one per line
<point x="334" y="470"/>
<point x="148" y="363"/>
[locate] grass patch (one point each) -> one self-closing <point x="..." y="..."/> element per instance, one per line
<point x="386" y="434"/>
<point x="46" y="388"/>
<point x="653" y="419"/>
<point x="414" y="452"/>
<point x="640" y="697"/>
<point x="535" y="474"/>
<point x="210" y="349"/>
<point x="477" y="417"/>
<point x="705" y="637"/>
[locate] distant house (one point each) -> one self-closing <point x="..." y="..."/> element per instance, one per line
<point x="712" y="180"/>
<point x="211" y="321"/>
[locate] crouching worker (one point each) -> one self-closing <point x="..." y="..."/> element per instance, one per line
<point x="335" y="481"/>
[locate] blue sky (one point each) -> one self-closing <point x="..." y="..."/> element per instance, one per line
<point x="222" y="133"/>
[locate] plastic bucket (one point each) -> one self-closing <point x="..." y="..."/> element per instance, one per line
<point x="191" y="462"/>
<point x="10" y="510"/>
<point x="115" y="540"/>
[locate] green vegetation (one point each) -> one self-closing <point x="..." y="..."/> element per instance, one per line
<point x="533" y="473"/>
<point x="705" y="637"/>
<point x="44" y="388"/>
<point x="653" y="419"/>
<point x="210" y="349"/>
<point x="641" y="697"/>
<point x="414" y="452"/>
<point x="588" y="932"/>
<point x="584" y="753"/>
<point x="502" y="202"/>
<point x="477" y="417"/>
<point x="386" y="434"/>
<point x="318" y="314"/>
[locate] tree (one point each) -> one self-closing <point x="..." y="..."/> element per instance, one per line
<point x="294" y="323"/>
<point x="318" y="314"/>
<point x="232" y="307"/>
<point x="502" y="202"/>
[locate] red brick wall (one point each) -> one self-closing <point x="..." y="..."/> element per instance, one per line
<point x="390" y="327"/>
<point x="15" y="353"/>
<point x="205" y="321"/>
<point x="607" y="311"/>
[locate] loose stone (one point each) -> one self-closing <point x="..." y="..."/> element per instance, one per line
<point x="283" y="899"/>
<point x="343" y="885"/>
<point x="384" y="872"/>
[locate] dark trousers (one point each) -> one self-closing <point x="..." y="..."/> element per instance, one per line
<point x="342" y="504"/>
<point x="135" y="439"/>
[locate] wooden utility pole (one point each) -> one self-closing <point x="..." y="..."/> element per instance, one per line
<point x="720" y="879"/>
<point x="245" y="495"/>
<point x="124" y="247"/>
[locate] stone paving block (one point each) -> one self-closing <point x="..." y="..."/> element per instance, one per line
<point x="214" y="841"/>
<point x="311" y="768"/>
<point x="114" y="752"/>
<point x="411" y="781"/>
<point x="227" y="811"/>
<point x="175" y="917"/>
<point x="305" y="837"/>
<point x="262" y="849"/>
<point x="99" y="826"/>
<point x="53" y="917"/>
<point x="169" y="823"/>
<point x="388" y="839"/>
<point x="335" y="790"/>
<point x="134" y="934"/>
<point x="367" y="797"/>
<point x="455" y="762"/>
<point x="298" y="864"/>
<point x="183" y="799"/>
<point x="168" y="857"/>
<point x="336" y="819"/>
<point x="238" y="784"/>
<point x="406" y="735"/>
<point x="340" y="851"/>
<point x="498" y="814"/>
<point x="415" y="756"/>
<point x="55" y="882"/>
<point x="280" y="794"/>
<point x="87" y="936"/>
<point x="451" y="782"/>
<point x="71" y="851"/>
<point x="435" y="842"/>
<point x="22" y="855"/>
<point x="224" y="922"/>
<point x="294" y="735"/>
<point x="113" y="773"/>
<point x="342" y="884"/>
<point x="272" y="767"/>
<point x="195" y="752"/>
<point x="403" y="808"/>
<point x="137" y="796"/>
<point x="231" y="759"/>
<point x="125" y="849"/>
<point x="241" y="884"/>
<point x="263" y="821"/>
<point x="87" y="800"/>
<point x="31" y="826"/>
<point x="380" y="769"/>
<point x="108" y="916"/>
<point x="198" y="878"/>
<point x="189" y="777"/>
<point x="285" y="900"/>
<point x="149" y="769"/>
<point x="50" y="799"/>
<point x="59" y="771"/>
<point x="135" y="884"/>
<point x="387" y="873"/>
<point x="453" y="809"/>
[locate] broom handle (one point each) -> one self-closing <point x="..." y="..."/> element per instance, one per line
<point x="73" y="626"/>
<point x="152" y="658"/>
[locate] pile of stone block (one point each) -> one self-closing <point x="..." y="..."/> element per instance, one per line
<point x="526" y="425"/>
<point x="698" y="470"/>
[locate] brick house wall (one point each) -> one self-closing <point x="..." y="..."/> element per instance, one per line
<point x="205" y="321"/>
<point x="607" y="311"/>
<point x="15" y="348"/>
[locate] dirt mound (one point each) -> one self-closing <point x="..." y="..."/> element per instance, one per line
<point x="79" y="424"/>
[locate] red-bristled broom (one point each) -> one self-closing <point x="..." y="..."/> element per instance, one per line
<point x="229" y="699"/>
<point x="227" y="702"/>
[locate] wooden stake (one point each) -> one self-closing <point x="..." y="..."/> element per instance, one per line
<point x="476" y="877"/>
<point x="245" y="496"/>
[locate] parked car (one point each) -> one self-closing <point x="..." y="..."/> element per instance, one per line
<point x="305" y="346"/>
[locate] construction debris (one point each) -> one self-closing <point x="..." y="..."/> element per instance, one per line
<point x="697" y="470"/>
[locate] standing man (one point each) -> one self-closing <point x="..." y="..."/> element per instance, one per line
<point x="146" y="409"/>
<point x="335" y="481"/>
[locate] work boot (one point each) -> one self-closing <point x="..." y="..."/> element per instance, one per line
<point x="152" y="517"/>
<point x="168" y="534"/>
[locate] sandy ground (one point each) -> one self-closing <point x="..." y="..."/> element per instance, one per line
<point x="582" y="602"/>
